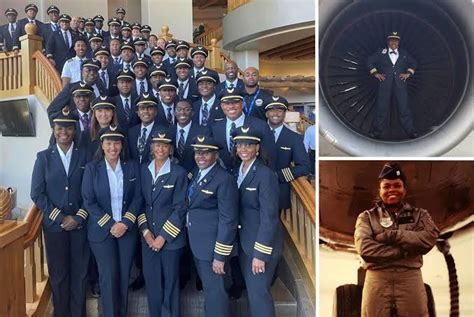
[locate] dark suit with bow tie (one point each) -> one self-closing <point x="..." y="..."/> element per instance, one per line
<point x="57" y="195"/>
<point x="212" y="225"/>
<point x="260" y="235"/>
<point x="164" y="214"/>
<point x="292" y="162"/>
<point x="186" y="159"/>
<point x="113" y="255"/>
<point x="380" y="62"/>
<point x="268" y="150"/>
<point x="215" y="111"/>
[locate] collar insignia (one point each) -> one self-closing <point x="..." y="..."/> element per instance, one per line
<point x="113" y="127"/>
<point x="245" y="130"/>
<point x="201" y="138"/>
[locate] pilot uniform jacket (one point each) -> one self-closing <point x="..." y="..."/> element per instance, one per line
<point x="260" y="234"/>
<point x="169" y="67"/>
<point x="57" y="49"/>
<point x="126" y="121"/>
<point x="6" y="38"/>
<point x="187" y="159"/>
<point x="223" y="85"/>
<point x="215" y="111"/>
<point x="380" y="62"/>
<point x="161" y="115"/>
<point x="20" y="30"/>
<point x="96" y="194"/>
<point x="165" y="205"/>
<point x="58" y="195"/>
<point x="132" y="140"/>
<point x="391" y="246"/>
<point x="193" y="93"/>
<point x="268" y="150"/>
<point x="292" y="162"/>
<point x="212" y="215"/>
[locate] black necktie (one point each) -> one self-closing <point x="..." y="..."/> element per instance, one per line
<point x="66" y="40"/>
<point x="231" y="140"/>
<point x="169" y="116"/>
<point x="116" y="61"/>
<point x="85" y="121"/>
<point x="104" y="80"/>
<point x="141" y="144"/>
<point x="142" y="87"/>
<point x="193" y="185"/>
<point x="181" y="144"/>
<point x="127" y="107"/>
<point x="393" y="52"/>
<point x="181" y="91"/>
<point x="205" y="114"/>
<point x="231" y="86"/>
<point x="12" y="29"/>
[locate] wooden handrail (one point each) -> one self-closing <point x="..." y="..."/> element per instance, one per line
<point x="33" y="218"/>
<point x="51" y="71"/>
<point x="306" y="193"/>
<point x="206" y="37"/>
<point x="234" y="4"/>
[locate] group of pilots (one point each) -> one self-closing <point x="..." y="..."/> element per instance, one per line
<point x="154" y="162"/>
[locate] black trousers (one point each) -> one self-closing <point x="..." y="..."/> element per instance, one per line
<point x="67" y="254"/>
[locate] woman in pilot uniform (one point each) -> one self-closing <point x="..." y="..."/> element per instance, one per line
<point x="56" y="190"/>
<point x="391" y="238"/>
<point x="103" y="115"/>
<point x="212" y="224"/>
<point x="164" y="187"/>
<point x="260" y="233"/>
<point x="111" y="192"/>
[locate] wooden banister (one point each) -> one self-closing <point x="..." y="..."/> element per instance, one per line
<point x="47" y="81"/>
<point x="234" y="4"/>
<point x="299" y="221"/>
<point x="205" y="38"/>
<point x="33" y="218"/>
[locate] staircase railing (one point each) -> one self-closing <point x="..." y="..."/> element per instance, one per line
<point x="234" y="4"/>
<point x="299" y="221"/>
<point x="47" y="81"/>
<point x="205" y="38"/>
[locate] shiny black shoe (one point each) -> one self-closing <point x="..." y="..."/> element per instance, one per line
<point x="198" y="284"/>
<point x="235" y="291"/>
<point x="137" y="284"/>
<point x="95" y="290"/>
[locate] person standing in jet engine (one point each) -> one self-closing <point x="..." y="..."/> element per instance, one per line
<point x="392" y="67"/>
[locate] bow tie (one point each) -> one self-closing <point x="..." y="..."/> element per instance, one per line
<point x="393" y="52"/>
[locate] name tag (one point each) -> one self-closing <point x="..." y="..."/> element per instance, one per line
<point x="407" y="219"/>
<point x="132" y="179"/>
<point x="207" y="192"/>
<point x="168" y="186"/>
<point x="218" y="119"/>
<point x="285" y="148"/>
<point x="251" y="189"/>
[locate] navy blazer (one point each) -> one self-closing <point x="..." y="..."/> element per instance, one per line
<point x="222" y="85"/>
<point x="292" y="162"/>
<point x="57" y="49"/>
<point x="212" y="215"/>
<point x="126" y="121"/>
<point x="193" y="94"/>
<point x="96" y="195"/>
<point x="6" y="38"/>
<point x="56" y="194"/>
<point x="161" y="115"/>
<point x="47" y="31"/>
<point x="165" y="205"/>
<point x="216" y="113"/>
<point x="170" y="70"/>
<point x="380" y="62"/>
<point x="20" y="30"/>
<point x="134" y="134"/>
<point x="136" y="89"/>
<point x="268" y="150"/>
<point x="261" y="232"/>
<point x="187" y="159"/>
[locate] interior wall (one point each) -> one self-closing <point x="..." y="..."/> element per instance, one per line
<point x="285" y="68"/>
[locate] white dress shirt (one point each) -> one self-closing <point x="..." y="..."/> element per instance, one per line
<point x="393" y="57"/>
<point x="186" y="87"/>
<point x="165" y="109"/>
<point x="277" y="132"/>
<point x="238" y="123"/>
<point x="66" y="157"/>
<point x="310" y="138"/>
<point x="69" y="37"/>
<point x="72" y="69"/>
<point x="228" y="83"/>
<point x="149" y="127"/>
<point x="145" y="85"/>
<point x="165" y="169"/>
<point x="107" y="81"/>
<point x="10" y="28"/>
<point x="242" y="175"/>
<point x="186" y="132"/>
<point x="205" y="171"/>
<point x="116" y="189"/>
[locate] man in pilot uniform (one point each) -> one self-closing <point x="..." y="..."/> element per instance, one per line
<point x="7" y="31"/>
<point x="392" y="67"/>
<point x="292" y="159"/>
<point x="212" y="224"/>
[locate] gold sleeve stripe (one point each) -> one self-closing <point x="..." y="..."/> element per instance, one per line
<point x="292" y="178"/>
<point x="263" y="248"/>
<point x="373" y="70"/>
<point x="128" y="215"/>
<point x="224" y="246"/>
<point x="172" y="226"/>
<point x="54" y="214"/>
<point x="102" y="221"/>
<point x="141" y="219"/>
<point x="411" y="70"/>
<point x="224" y="253"/>
<point x="82" y="213"/>
<point x="170" y="230"/>
<point x="287" y="174"/>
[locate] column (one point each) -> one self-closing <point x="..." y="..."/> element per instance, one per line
<point x="246" y="58"/>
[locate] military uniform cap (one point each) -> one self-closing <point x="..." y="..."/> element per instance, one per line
<point x="98" y="18"/>
<point x="392" y="171"/>
<point x="140" y="62"/>
<point x="231" y="95"/>
<point x="52" y="8"/>
<point x="81" y="19"/>
<point x="10" y="11"/>
<point x="199" y="50"/>
<point x="157" y="70"/>
<point x="182" y="44"/>
<point x="89" y="21"/>
<point x="127" y="46"/>
<point x="183" y="62"/>
<point x="168" y="82"/>
<point x="93" y="63"/>
<point x="145" y="99"/>
<point x="246" y="134"/>
<point x="125" y="74"/>
<point x="136" y="25"/>
<point x="393" y="35"/>
<point x="103" y="50"/>
<point x="31" y="6"/>
<point x="64" y="17"/>
<point x="276" y="102"/>
<point x="139" y="41"/>
<point x="66" y="117"/>
<point x="207" y="75"/>
<point x="120" y="10"/>
<point x="157" y="50"/>
<point x="126" y="26"/>
<point x="170" y="43"/>
<point x="103" y="102"/>
<point x="114" y="21"/>
<point x="111" y="132"/>
<point x="146" y="28"/>
<point x="81" y="88"/>
<point x="162" y="135"/>
<point x="96" y="37"/>
<point x="204" y="143"/>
